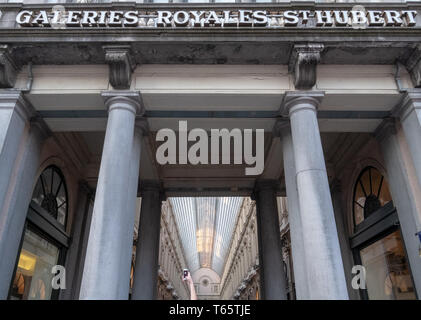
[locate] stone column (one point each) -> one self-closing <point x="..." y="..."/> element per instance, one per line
<point x="409" y="113"/>
<point x="273" y="280"/>
<point x="15" y="113"/>
<point x="294" y="217"/>
<point x="343" y="238"/>
<point x="325" y="273"/>
<point x="140" y="130"/>
<point x="103" y="275"/>
<point x="147" y="251"/>
<point x="402" y="194"/>
<point x="17" y="198"/>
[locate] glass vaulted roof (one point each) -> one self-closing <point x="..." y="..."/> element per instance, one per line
<point x="206" y="226"/>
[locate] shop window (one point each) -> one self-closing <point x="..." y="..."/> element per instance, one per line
<point x="377" y="242"/>
<point x="44" y="241"/>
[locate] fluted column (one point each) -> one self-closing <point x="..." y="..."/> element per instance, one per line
<point x="147" y="251"/>
<point x="17" y="198"/>
<point x="105" y="275"/>
<point x="325" y="273"/>
<point x="272" y="275"/>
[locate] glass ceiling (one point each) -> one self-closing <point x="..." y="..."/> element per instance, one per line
<point x="206" y="226"/>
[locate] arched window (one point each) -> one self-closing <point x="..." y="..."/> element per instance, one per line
<point x="377" y="241"/>
<point x="50" y="193"/>
<point x="45" y="240"/>
<point x="371" y="192"/>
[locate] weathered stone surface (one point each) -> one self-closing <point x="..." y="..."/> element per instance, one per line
<point x="121" y="64"/>
<point x="303" y="64"/>
<point x="413" y="64"/>
<point x="8" y="68"/>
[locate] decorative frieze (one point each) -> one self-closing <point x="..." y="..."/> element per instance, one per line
<point x="303" y="64"/>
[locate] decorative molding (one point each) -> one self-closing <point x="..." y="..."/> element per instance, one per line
<point x="124" y="99"/>
<point x="303" y="64"/>
<point x="8" y="68"/>
<point x="413" y="65"/>
<point x="296" y="100"/>
<point x="121" y="65"/>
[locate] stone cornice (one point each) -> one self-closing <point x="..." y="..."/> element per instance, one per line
<point x="303" y="64"/>
<point x="8" y="67"/>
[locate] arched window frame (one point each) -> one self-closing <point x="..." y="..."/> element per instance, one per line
<point x="62" y="186"/>
<point x="383" y="183"/>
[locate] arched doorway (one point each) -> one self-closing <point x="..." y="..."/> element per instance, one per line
<point x="44" y="241"/>
<point x="377" y="240"/>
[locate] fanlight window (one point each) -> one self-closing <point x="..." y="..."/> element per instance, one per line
<point x="51" y="194"/>
<point x="371" y="192"/>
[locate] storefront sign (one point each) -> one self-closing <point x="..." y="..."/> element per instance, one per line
<point x="221" y="18"/>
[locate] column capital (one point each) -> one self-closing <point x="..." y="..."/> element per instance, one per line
<point x="296" y="100"/>
<point x="386" y="128"/>
<point x="14" y="99"/>
<point x="129" y="100"/>
<point x="303" y="64"/>
<point x="9" y="69"/>
<point x="121" y="65"/>
<point x="410" y="101"/>
<point x="281" y="125"/>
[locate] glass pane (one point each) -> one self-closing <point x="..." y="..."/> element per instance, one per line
<point x="387" y="271"/>
<point x="47" y="176"/>
<point x="359" y="204"/>
<point x="365" y="182"/>
<point x="33" y="276"/>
